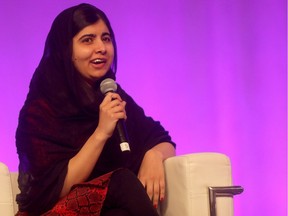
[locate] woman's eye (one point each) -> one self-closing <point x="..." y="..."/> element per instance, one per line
<point x="87" y="40"/>
<point x="106" y="39"/>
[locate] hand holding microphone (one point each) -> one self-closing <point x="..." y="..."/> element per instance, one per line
<point x="106" y="86"/>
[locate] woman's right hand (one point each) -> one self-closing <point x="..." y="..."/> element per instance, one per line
<point x="111" y="109"/>
<point x="80" y="166"/>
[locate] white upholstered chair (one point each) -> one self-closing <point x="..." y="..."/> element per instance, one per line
<point x="194" y="183"/>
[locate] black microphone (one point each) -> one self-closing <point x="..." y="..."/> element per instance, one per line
<point x="109" y="85"/>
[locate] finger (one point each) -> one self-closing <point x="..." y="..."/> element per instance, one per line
<point x="107" y="98"/>
<point x="109" y="103"/>
<point x="156" y="193"/>
<point x="113" y="106"/>
<point x="162" y="190"/>
<point x="149" y="190"/>
<point x="111" y="96"/>
<point x="115" y="96"/>
<point x="117" y="103"/>
<point x="117" y="110"/>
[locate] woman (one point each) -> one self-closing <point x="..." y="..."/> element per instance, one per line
<point x="70" y="160"/>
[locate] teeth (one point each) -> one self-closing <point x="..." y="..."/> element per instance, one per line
<point x="98" y="61"/>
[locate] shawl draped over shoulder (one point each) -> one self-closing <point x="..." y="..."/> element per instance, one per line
<point x="60" y="113"/>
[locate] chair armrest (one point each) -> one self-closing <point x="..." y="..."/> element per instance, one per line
<point x="187" y="180"/>
<point x="6" y="194"/>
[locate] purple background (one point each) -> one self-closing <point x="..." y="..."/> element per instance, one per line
<point x="213" y="72"/>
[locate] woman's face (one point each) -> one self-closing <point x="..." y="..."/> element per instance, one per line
<point x="93" y="51"/>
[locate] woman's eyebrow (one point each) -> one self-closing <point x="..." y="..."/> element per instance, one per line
<point x="106" y="34"/>
<point x="87" y="35"/>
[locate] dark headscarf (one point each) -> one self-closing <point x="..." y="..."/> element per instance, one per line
<point x="60" y="113"/>
<point x="56" y="76"/>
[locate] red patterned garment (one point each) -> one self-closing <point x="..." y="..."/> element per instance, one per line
<point x="84" y="199"/>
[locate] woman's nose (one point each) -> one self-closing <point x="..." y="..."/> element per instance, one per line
<point x="100" y="47"/>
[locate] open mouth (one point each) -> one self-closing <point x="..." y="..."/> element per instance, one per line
<point x="98" y="61"/>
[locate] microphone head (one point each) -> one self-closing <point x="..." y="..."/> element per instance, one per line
<point x="108" y="85"/>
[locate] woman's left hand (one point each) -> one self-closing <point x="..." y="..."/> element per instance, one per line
<point x="151" y="175"/>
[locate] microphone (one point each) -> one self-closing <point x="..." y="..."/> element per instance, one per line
<point x="109" y="85"/>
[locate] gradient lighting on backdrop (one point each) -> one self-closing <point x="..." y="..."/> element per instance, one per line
<point x="213" y="72"/>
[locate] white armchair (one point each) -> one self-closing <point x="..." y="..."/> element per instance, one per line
<point x="193" y="182"/>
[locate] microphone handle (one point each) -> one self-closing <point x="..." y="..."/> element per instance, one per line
<point x="123" y="136"/>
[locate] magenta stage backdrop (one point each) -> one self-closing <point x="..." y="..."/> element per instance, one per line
<point x="213" y="72"/>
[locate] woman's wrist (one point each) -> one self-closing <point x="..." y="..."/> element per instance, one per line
<point x="100" y="136"/>
<point x="165" y="149"/>
<point x="156" y="153"/>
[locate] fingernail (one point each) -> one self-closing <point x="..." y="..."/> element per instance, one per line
<point x="155" y="206"/>
<point x="161" y="199"/>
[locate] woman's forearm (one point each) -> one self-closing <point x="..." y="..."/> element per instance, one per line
<point x="165" y="149"/>
<point x="82" y="164"/>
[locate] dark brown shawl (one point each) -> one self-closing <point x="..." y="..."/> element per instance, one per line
<point x="59" y="115"/>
